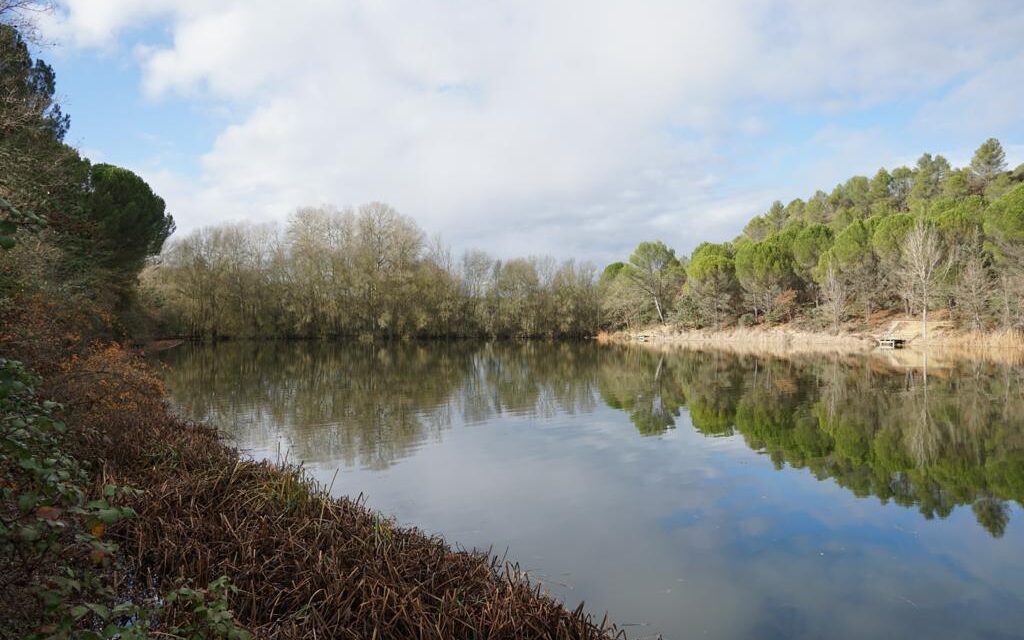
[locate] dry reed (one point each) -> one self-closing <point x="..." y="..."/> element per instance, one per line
<point x="944" y="346"/>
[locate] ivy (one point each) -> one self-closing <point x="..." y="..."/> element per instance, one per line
<point x="53" y="521"/>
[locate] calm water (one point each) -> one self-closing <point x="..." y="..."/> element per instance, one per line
<point x="696" y="495"/>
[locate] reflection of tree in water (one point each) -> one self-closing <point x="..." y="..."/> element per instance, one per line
<point x="712" y="387"/>
<point x="370" y="404"/>
<point x="931" y="441"/>
<point x="955" y="437"/>
<point x="350" y="402"/>
<point x="531" y="378"/>
<point x="641" y="384"/>
<point x="992" y="514"/>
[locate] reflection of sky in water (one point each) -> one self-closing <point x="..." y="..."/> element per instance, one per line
<point x="679" y="534"/>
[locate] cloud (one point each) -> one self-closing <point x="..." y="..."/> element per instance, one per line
<point x="92" y="23"/>
<point x="570" y="127"/>
<point x="988" y="101"/>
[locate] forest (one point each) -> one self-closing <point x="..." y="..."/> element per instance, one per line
<point x="74" y="235"/>
<point x="914" y="240"/>
<point x="120" y="519"/>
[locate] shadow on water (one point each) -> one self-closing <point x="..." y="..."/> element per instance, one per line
<point x="932" y="442"/>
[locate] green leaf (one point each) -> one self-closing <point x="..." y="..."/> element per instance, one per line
<point x="27" y="502"/>
<point x="7" y="228"/>
<point x="109" y="516"/>
<point x="7" y="242"/>
<point x="29" y="533"/>
<point x="99" y="610"/>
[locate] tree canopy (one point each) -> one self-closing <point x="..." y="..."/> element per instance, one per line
<point x="846" y="251"/>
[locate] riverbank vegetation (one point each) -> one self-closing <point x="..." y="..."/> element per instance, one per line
<point x="119" y="520"/>
<point x="366" y="273"/>
<point x="913" y="240"/>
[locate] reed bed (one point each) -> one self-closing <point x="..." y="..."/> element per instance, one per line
<point x="748" y="341"/>
<point x="944" y="346"/>
<point x="306" y="564"/>
<point x="998" y="345"/>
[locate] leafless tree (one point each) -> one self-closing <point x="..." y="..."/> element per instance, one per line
<point x="18" y="107"/>
<point x="974" y="284"/>
<point x="368" y="273"/>
<point x="834" y="294"/>
<point x="924" y="263"/>
<point x="24" y="15"/>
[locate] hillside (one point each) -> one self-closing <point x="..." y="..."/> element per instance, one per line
<point x="913" y="241"/>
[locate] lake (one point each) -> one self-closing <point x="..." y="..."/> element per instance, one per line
<point x="691" y="494"/>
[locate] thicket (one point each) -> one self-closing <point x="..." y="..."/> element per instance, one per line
<point x="912" y="240"/>
<point x="366" y="273"/>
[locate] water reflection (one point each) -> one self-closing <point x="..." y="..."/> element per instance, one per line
<point x="954" y="437"/>
<point x="702" y="494"/>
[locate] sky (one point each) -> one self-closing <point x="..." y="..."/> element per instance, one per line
<point x="575" y="128"/>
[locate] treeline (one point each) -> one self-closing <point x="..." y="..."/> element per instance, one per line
<point x="366" y="273"/>
<point x="916" y="239"/>
<point x="931" y="238"/>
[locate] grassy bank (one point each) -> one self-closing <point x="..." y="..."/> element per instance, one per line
<point x="300" y="563"/>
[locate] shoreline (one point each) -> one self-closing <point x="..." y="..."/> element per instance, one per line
<point x="945" y="347"/>
<point x="299" y="562"/>
<point x="327" y="566"/>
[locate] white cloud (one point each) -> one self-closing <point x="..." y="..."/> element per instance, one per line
<point x="569" y="127"/>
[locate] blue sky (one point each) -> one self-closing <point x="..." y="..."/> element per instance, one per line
<point x="571" y="128"/>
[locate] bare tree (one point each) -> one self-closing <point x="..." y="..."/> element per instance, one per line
<point x="834" y="293"/>
<point x="974" y="284"/>
<point x="19" y="107"/>
<point x="334" y="272"/>
<point x="924" y="263"/>
<point x="23" y="15"/>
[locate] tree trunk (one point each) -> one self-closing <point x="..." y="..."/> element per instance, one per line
<point x="924" y="312"/>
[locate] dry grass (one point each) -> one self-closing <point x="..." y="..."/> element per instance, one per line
<point x="945" y="345"/>
<point x="986" y="340"/>
<point x="768" y="341"/>
<point x="307" y="565"/>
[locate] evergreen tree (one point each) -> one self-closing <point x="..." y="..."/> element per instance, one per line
<point x="988" y="161"/>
